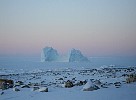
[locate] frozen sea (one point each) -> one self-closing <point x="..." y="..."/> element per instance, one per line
<point x="33" y="63"/>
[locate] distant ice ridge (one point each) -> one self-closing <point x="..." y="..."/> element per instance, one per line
<point x="50" y="54"/>
<point x="77" y="56"/>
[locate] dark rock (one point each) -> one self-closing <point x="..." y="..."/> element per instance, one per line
<point x="80" y="83"/>
<point x="35" y="88"/>
<point x="69" y="84"/>
<point x="43" y="89"/>
<point x="60" y="79"/>
<point x="73" y="78"/>
<point x="97" y="82"/>
<point x="16" y="89"/>
<point x="19" y="83"/>
<point x="25" y="86"/>
<point x="1" y="93"/>
<point x="5" y="84"/>
<point x="131" y="78"/>
<point x="117" y="83"/>
<point x="104" y="86"/>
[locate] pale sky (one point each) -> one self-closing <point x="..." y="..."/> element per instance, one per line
<point x="96" y="27"/>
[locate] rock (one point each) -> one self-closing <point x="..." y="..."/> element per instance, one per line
<point x="43" y="89"/>
<point x="68" y="84"/>
<point x="131" y="78"/>
<point x="35" y="88"/>
<point x="1" y="93"/>
<point x="60" y="79"/>
<point x="5" y="84"/>
<point x="16" y="89"/>
<point x="18" y="83"/>
<point x="97" y="82"/>
<point x="80" y="83"/>
<point x="104" y="86"/>
<point x="25" y="86"/>
<point x="117" y="84"/>
<point x="89" y="86"/>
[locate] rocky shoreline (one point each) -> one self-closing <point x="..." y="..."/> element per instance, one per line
<point x="68" y="78"/>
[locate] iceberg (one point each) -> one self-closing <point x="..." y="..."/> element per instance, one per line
<point x="77" y="56"/>
<point x="49" y="54"/>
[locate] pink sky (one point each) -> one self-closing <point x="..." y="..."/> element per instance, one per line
<point x="97" y="28"/>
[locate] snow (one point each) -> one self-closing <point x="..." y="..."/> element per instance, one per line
<point x="125" y="93"/>
<point x="77" y="56"/>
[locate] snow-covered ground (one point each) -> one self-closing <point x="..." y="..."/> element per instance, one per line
<point x="37" y="76"/>
<point x="127" y="92"/>
<point x="54" y="80"/>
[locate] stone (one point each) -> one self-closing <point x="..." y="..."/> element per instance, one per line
<point x="35" y="88"/>
<point x="5" y="84"/>
<point x="43" y="89"/>
<point x="16" y="89"/>
<point x="19" y="83"/>
<point x="68" y="84"/>
<point x="117" y="84"/>
<point x="80" y="83"/>
<point x="25" y="86"/>
<point x="89" y="86"/>
<point x="1" y="93"/>
<point x="60" y="79"/>
<point x="131" y="78"/>
<point x="97" y="82"/>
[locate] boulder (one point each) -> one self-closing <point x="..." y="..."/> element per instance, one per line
<point x="1" y="93"/>
<point x="80" y="83"/>
<point x="97" y="82"/>
<point x="25" y="86"/>
<point x="68" y="84"/>
<point x="18" y="83"/>
<point x="5" y="84"/>
<point x="89" y="86"/>
<point x="131" y="78"/>
<point x="43" y="89"/>
<point x="35" y="88"/>
<point x="16" y="89"/>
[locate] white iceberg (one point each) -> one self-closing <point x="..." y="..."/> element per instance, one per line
<point x="77" y="56"/>
<point x="49" y="54"/>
